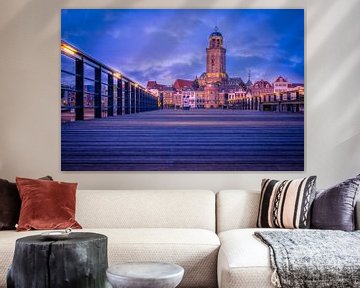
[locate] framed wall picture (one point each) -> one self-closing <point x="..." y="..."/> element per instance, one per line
<point x="182" y="90"/>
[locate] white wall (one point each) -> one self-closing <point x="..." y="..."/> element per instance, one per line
<point x="30" y="87"/>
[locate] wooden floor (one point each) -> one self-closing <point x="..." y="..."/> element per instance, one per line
<point x="207" y="140"/>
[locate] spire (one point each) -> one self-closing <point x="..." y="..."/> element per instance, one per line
<point x="249" y="83"/>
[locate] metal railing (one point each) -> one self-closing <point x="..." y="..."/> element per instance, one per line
<point x="91" y="89"/>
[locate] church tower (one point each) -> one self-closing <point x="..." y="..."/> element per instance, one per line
<point x="216" y="58"/>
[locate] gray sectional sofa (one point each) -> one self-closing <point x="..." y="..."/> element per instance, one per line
<point x="209" y="234"/>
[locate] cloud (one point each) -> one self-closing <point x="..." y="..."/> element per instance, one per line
<point x="114" y="33"/>
<point x="296" y="60"/>
<point x="187" y="59"/>
<point x="155" y="31"/>
<point x="167" y="44"/>
<point x="167" y="70"/>
<point x="267" y="52"/>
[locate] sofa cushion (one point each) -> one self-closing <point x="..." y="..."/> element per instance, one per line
<point x="194" y="249"/>
<point x="244" y="261"/>
<point x="286" y="204"/>
<point x="46" y="204"/>
<point x="334" y="208"/>
<point x="153" y="209"/>
<point x="10" y="204"/>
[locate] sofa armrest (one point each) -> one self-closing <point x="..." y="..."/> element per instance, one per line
<point x="357" y="215"/>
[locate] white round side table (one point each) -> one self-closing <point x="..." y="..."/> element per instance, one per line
<point x="145" y="275"/>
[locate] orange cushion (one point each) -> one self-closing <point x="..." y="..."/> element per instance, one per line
<point x="46" y="204"/>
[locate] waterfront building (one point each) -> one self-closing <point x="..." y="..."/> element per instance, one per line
<point x="296" y="86"/>
<point x="153" y="85"/>
<point x="281" y="85"/>
<point x="261" y="87"/>
<point x="286" y="101"/>
<point x="167" y="94"/>
<point x="178" y="99"/>
<point x="188" y="98"/>
<point x="181" y="84"/>
<point x="234" y="96"/>
<point x="200" y="98"/>
<point x="211" y="93"/>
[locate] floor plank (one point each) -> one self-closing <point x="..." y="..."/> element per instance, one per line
<point x="176" y="140"/>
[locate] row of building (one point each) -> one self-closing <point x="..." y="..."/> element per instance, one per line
<point x="281" y="95"/>
<point x="215" y="89"/>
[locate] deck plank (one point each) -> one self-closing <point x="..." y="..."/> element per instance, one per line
<point x="200" y="140"/>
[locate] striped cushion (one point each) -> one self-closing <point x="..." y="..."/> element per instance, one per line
<point x="286" y="204"/>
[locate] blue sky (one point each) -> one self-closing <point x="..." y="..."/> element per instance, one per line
<point x="164" y="45"/>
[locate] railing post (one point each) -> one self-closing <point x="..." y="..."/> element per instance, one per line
<point x="110" y="95"/>
<point x="148" y="102"/>
<point x="127" y="97"/>
<point x="98" y="92"/>
<point x="79" y="87"/>
<point x="132" y="98"/>
<point x="137" y="100"/>
<point x="142" y="101"/>
<point x="119" y="97"/>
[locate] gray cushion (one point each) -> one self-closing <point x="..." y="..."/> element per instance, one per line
<point x="334" y="208"/>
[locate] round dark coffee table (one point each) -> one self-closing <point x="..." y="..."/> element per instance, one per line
<point x="145" y="275"/>
<point x="80" y="261"/>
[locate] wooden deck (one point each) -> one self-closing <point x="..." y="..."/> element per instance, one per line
<point x="200" y="140"/>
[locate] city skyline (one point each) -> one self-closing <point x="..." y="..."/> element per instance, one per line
<point x="165" y="48"/>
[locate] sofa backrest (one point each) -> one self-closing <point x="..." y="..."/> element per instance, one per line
<point x="146" y="209"/>
<point x="239" y="209"/>
<point x="236" y="209"/>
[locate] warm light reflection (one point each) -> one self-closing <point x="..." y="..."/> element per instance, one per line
<point x="68" y="49"/>
<point x="117" y="75"/>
